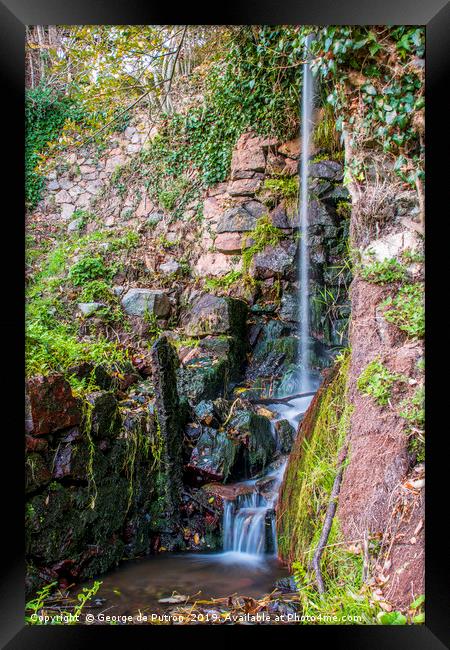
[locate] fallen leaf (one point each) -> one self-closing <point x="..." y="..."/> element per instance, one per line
<point x="175" y="598"/>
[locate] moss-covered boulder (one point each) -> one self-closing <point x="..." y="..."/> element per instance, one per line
<point x="215" y="456"/>
<point x="285" y="436"/>
<point x="255" y="432"/>
<point x="168" y="445"/>
<point x="215" y="363"/>
<point x="306" y="486"/>
<point x="102" y="417"/>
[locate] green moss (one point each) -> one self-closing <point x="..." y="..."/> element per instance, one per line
<point x="264" y="234"/>
<point x="285" y="187"/>
<point x="377" y="381"/>
<point x="224" y="282"/>
<point x="407" y="310"/>
<point x="312" y="468"/>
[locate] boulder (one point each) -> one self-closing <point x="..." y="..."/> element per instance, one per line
<point x="231" y="243"/>
<point x="279" y="217"/>
<point x="89" y="308"/>
<point x="319" y="215"/>
<point x="274" y="261"/>
<point x="291" y="148"/>
<point x="255" y="208"/>
<point x="255" y="431"/>
<point x="289" y="309"/>
<point x="285" y="435"/>
<point x="329" y="169"/>
<point x="237" y="219"/>
<point x="211" y="314"/>
<point x="214" y="456"/>
<point x="210" y="366"/>
<point x="390" y="246"/>
<point x="212" y="208"/>
<point x="103" y="418"/>
<point x="67" y="210"/>
<point x="63" y="196"/>
<point x="75" y="225"/>
<point x="169" y="268"/>
<point x="50" y="405"/>
<point x="138" y="302"/>
<point x="212" y="413"/>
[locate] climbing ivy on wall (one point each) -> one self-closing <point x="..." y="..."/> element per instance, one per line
<point x="248" y="89"/>
<point x="46" y="112"/>
<point x="374" y="76"/>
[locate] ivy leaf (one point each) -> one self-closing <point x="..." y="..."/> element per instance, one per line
<point x="392" y="618"/>
<point x="360" y="44"/>
<point x="370" y="90"/>
<point x="418" y="602"/>
<point x="390" y="116"/>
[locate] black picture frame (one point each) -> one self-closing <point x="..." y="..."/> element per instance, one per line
<point x="14" y="15"/>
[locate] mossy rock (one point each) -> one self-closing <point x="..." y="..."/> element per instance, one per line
<point x="215" y="455"/>
<point x="256" y="431"/>
<point x="311" y="469"/>
<point x="103" y="420"/>
<point x="37" y="472"/>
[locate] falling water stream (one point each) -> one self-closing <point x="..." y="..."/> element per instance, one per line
<point x="303" y="266"/>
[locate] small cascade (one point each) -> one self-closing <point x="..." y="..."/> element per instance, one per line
<point x="249" y="519"/>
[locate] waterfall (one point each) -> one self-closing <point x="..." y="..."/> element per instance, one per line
<point x="249" y="519"/>
<point x="249" y="529"/>
<point x="303" y="266"/>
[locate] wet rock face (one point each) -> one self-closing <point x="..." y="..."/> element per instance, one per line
<point x="138" y="302"/>
<point x="255" y="432"/>
<point x="286" y="436"/>
<point x="50" y="405"/>
<point x="214" y="456"/>
<point x="328" y="169"/>
<point x="290" y="306"/>
<point x="274" y="261"/>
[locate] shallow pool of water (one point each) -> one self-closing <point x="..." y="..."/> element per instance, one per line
<point x="139" y="584"/>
